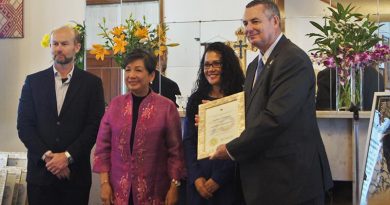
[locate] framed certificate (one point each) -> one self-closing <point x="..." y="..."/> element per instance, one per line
<point x="220" y="121"/>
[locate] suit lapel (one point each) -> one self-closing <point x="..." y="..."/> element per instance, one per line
<point x="258" y="84"/>
<point x="74" y="85"/>
<point x="264" y="74"/>
<point x="51" y="91"/>
<point x="250" y="75"/>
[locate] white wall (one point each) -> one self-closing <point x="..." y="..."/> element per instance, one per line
<point x="23" y="56"/>
<point x="187" y="20"/>
<point x="183" y="18"/>
<point x="115" y="14"/>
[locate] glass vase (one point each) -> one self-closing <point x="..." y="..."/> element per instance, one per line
<point x="349" y="84"/>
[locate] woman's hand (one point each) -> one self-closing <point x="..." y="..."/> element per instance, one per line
<point x="197" y="116"/>
<point x="205" y="101"/>
<point x="196" y="120"/>
<point x="106" y="194"/>
<point x="200" y="185"/>
<point x="172" y="196"/>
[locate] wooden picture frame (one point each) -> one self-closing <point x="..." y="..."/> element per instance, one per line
<point x="220" y="121"/>
<point x="11" y="19"/>
<point x="98" y="2"/>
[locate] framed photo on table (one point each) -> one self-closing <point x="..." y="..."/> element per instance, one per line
<point x="376" y="168"/>
<point x="11" y="19"/>
<point x="220" y="121"/>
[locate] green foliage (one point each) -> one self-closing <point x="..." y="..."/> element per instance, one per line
<point x="344" y="31"/>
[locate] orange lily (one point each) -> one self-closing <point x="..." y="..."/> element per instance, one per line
<point x="141" y="32"/>
<point x="99" y="51"/>
<point x="118" y="31"/>
<point x="120" y="44"/>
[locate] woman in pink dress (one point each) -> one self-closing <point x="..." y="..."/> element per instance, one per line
<point x="139" y="153"/>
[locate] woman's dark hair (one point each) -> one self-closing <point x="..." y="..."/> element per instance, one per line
<point x="232" y="77"/>
<point x="140" y="54"/>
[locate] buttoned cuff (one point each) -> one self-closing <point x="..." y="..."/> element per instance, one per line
<point x="46" y="153"/>
<point x="70" y="158"/>
<point x="231" y="157"/>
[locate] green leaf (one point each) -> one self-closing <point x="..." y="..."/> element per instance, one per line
<point x="318" y="26"/>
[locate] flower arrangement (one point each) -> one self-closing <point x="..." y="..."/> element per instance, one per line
<point x="348" y="43"/>
<point x="346" y="38"/>
<point x="79" y="60"/>
<point x="122" y="39"/>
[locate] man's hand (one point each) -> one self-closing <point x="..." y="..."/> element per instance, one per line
<point x="211" y="185"/>
<point x="220" y="153"/>
<point x="48" y="158"/>
<point x="201" y="188"/>
<point x="58" y="162"/>
<point x="64" y="174"/>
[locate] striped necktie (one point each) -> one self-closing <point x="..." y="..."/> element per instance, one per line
<point x="260" y="67"/>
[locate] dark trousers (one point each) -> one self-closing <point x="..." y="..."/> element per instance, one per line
<point x="319" y="200"/>
<point x="59" y="194"/>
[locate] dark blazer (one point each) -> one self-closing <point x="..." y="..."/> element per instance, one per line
<point x="281" y="155"/>
<point x="41" y="129"/>
<point x="223" y="172"/>
<point x="169" y="88"/>
<point x="372" y="82"/>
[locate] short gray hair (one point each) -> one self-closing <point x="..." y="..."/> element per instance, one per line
<point x="270" y="6"/>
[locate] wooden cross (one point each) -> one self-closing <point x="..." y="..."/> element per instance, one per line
<point x="241" y="46"/>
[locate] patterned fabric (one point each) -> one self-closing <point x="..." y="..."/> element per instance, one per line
<point x="381" y="178"/>
<point x="11" y="18"/>
<point x="157" y="155"/>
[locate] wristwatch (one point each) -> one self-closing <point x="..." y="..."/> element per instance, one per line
<point x="70" y="158"/>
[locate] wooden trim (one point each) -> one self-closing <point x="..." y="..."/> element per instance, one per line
<point x="137" y="0"/>
<point x="95" y="2"/>
<point x="162" y="9"/>
<point x="328" y="2"/>
<point x="98" y="2"/>
<point x="342" y="114"/>
<point x="109" y="72"/>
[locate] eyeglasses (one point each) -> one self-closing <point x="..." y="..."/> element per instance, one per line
<point x="214" y="64"/>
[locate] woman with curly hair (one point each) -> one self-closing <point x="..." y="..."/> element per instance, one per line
<point x="212" y="181"/>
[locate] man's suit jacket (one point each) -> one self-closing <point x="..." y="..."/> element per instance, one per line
<point x="74" y="130"/>
<point x="281" y="156"/>
<point x="169" y="88"/>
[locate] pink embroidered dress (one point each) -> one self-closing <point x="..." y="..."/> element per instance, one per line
<point x="157" y="155"/>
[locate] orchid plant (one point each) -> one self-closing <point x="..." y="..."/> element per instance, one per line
<point x="348" y="42"/>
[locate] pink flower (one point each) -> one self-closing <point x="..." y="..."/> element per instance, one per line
<point x="329" y="62"/>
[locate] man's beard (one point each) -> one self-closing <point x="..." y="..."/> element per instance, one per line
<point x="65" y="61"/>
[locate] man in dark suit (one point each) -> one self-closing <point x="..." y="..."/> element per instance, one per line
<point x="163" y="85"/>
<point x="58" y="118"/>
<point x="326" y="79"/>
<point x="280" y="153"/>
<point x="168" y="87"/>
